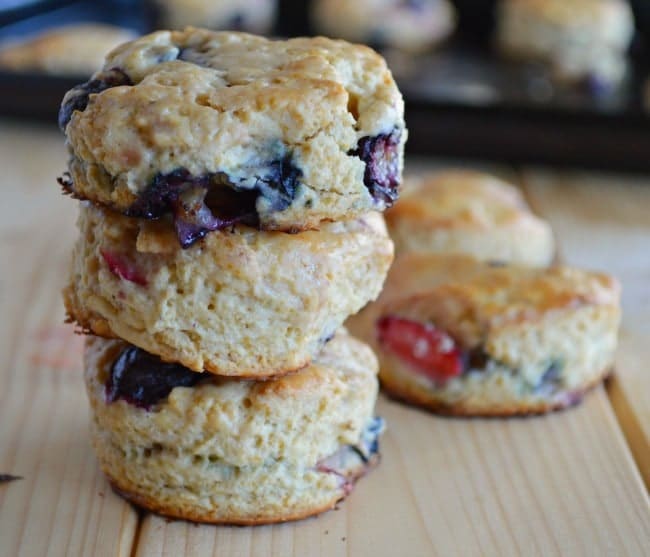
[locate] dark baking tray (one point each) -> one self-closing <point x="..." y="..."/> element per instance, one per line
<point x="465" y="101"/>
<point x="462" y="101"/>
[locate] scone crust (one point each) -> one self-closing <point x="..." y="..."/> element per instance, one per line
<point x="236" y="107"/>
<point x="239" y="303"/>
<point x="496" y="398"/>
<point x="472" y="213"/>
<point x="386" y="22"/>
<point x="232" y="451"/>
<point x="526" y="321"/>
<point x="578" y="38"/>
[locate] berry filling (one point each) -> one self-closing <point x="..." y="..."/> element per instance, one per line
<point x="121" y="267"/>
<point x="78" y="97"/>
<point x="426" y="349"/>
<point x="143" y="379"/>
<point x="200" y="204"/>
<point x="351" y="460"/>
<point x="381" y="155"/>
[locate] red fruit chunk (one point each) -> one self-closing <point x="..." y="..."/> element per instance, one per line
<point x="121" y="267"/>
<point x="429" y="351"/>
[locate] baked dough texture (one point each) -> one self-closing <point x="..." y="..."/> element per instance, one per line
<point x="240" y="303"/>
<point x="529" y="340"/>
<point x="242" y="452"/>
<point x="578" y="39"/>
<point x="254" y="16"/>
<point x="292" y="132"/>
<point x="472" y="213"/>
<point x="409" y="26"/>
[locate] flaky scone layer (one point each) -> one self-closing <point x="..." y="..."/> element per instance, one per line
<point x="240" y="451"/>
<point x="240" y="303"/>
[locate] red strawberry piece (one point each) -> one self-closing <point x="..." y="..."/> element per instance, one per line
<point x="121" y="267"/>
<point x="428" y="350"/>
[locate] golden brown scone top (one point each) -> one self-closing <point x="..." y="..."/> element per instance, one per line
<point x="467" y="298"/>
<point x="459" y="199"/>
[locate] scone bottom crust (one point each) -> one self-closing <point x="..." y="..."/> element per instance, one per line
<point x="339" y="465"/>
<point x="431" y="352"/>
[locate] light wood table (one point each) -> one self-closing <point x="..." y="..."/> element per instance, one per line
<point x="566" y="484"/>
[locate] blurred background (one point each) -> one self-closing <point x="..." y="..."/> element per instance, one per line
<point x="562" y="82"/>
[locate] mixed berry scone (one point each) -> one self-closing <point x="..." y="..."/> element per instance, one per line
<point x="581" y="40"/>
<point x="413" y="25"/>
<point x="217" y="128"/>
<point x="458" y="336"/>
<point x="242" y="302"/>
<point x="206" y="449"/>
<point x="465" y="212"/>
<point x="254" y="16"/>
<point x="77" y="50"/>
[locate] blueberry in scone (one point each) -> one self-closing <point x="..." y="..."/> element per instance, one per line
<point x="217" y="128"/>
<point x="458" y="336"/>
<point x="231" y="451"/>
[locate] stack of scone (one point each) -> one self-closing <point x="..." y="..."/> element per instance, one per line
<point x="229" y="226"/>
<point x="473" y="320"/>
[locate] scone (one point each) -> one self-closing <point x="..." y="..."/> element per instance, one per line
<point x="462" y="337"/>
<point x="242" y="302"/>
<point x="77" y="50"/>
<point x="581" y="40"/>
<point x="206" y="449"/>
<point x="411" y="26"/>
<point x="464" y="212"/>
<point x="219" y="128"/>
<point x="254" y="16"/>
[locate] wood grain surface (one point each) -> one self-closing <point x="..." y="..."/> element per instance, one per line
<point x="564" y="484"/>
<point x="603" y="223"/>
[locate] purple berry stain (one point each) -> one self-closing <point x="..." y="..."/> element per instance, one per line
<point x="200" y="204"/>
<point x="381" y="155"/>
<point x="121" y="267"/>
<point x="78" y="97"/>
<point x="143" y="379"/>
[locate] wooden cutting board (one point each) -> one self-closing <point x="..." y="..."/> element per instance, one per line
<point x="565" y="484"/>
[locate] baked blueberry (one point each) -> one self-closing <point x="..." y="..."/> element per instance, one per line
<point x="143" y="379"/>
<point x="78" y="97"/>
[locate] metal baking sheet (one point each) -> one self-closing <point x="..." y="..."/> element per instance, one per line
<point x="462" y="100"/>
